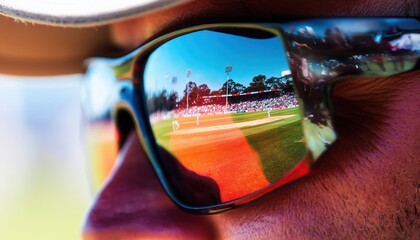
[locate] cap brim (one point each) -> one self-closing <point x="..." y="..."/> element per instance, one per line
<point x="79" y="12"/>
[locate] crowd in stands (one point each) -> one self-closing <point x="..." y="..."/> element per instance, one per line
<point x="284" y="101"/>
<point x="251" y="104"/>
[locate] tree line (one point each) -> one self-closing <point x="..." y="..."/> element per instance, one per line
<point x="165" y="100"/>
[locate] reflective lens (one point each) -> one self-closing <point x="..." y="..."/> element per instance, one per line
<point x="235" y="111"/>
<point x="323" y="51"/>
<point x="224" y="113"/>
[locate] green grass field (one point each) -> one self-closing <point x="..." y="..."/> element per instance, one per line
<point x="278" y="143"/>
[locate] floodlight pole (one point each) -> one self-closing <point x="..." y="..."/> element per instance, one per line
<point x="189" y="72"/>
<point x="227" y="70"/>
<point x="174" y="81"/>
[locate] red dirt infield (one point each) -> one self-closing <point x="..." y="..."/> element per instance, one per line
<point x="217" y="148"/>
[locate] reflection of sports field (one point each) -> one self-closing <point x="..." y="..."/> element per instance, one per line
<point x="241" y="152"/>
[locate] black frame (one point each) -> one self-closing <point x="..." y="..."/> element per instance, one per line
<point x="129" y="73"/>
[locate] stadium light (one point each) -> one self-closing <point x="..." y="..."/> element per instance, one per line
<point x="174" y="82"/>
<point x="189" y="72"/>
<point x="227" y="70"/>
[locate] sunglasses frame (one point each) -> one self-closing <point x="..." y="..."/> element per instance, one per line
<point x="129" y="71"/>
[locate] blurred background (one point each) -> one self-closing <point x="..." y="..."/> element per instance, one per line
<point x="44" y="182"/>
<point x="44" y="188"/>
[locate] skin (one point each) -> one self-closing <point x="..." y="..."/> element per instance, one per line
<point x="366" y="186"/>
<point x="39" y="50"/>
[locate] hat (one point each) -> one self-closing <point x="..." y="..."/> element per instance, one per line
<point x="79" y="12"/>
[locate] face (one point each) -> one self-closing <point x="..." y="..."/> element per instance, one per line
<point x="366" y="184"/>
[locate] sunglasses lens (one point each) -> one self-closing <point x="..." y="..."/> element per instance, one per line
<point x="223" y="112"/>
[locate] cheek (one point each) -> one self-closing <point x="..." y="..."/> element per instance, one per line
<point x="365" y="185"/>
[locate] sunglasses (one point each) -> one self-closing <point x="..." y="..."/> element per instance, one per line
<point x="230" y="112"/>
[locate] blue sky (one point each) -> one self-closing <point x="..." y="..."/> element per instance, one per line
<point x="208" y="53"/>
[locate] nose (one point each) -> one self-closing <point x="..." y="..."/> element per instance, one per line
<point x="133" y="205"/>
